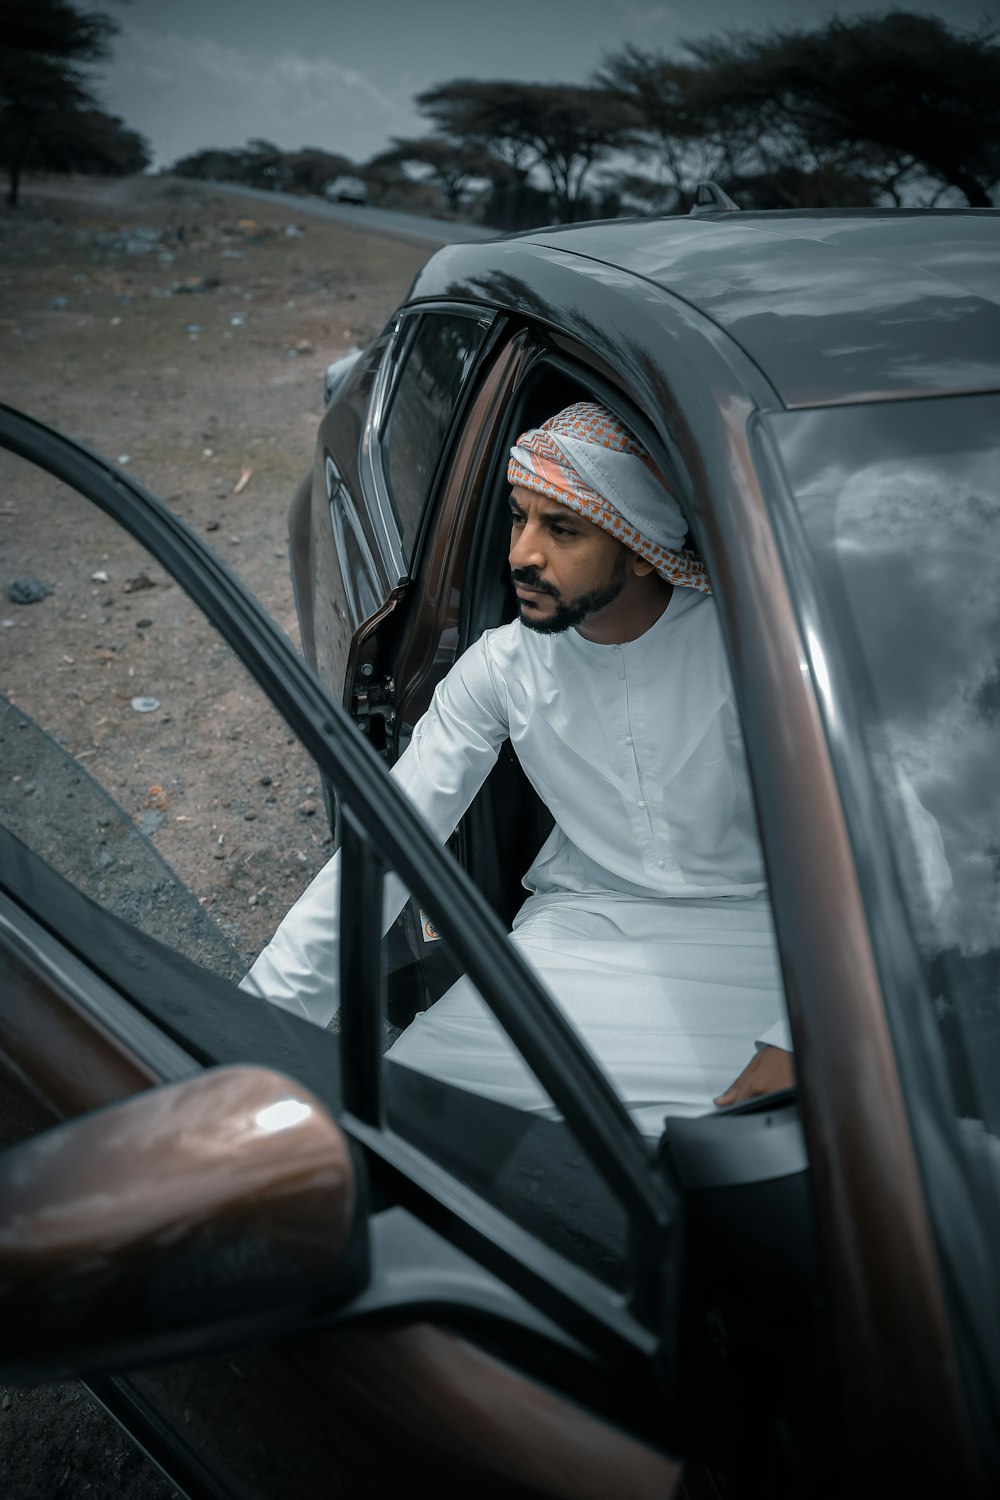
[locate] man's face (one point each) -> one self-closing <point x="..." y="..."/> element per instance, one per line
<point x="564" y="568"/>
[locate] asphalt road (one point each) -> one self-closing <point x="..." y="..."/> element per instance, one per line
<point x="379" y="220"/>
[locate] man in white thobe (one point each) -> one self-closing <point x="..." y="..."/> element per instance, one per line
<point x="648" y="918"/>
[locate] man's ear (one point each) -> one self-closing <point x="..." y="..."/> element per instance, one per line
<point x="640" y="567"/>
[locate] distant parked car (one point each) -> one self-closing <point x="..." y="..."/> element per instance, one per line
<point x="345" y="189"/>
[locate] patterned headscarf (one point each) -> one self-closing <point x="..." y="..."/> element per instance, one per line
<point x="584" y="458"/>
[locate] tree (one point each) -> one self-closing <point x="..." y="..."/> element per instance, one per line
<point x="88" y="140"/>
<point x="310" y="169"/>
<point x="258" y="164"/>
<point x="452" y="167"/>
<point x="560" y="129"/>
<point x="477" y="112"/>
<point x="262" y="164"/>
<point x="213" y="164"/>
<point x="674" y="122"/>
<point x="888" y="97"/>
<point x="789" y="186"/>
<point x="43" y="45"/>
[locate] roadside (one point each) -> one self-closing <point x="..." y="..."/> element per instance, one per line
<point x="371" y="220"/>
<point x="182" y="332"/>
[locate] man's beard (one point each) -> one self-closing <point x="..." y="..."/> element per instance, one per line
<point x="570" y="612"/>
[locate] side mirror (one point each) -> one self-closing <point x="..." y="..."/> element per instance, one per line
<point x="202" y="1214"/>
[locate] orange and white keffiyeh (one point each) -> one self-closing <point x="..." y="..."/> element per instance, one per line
<point x="584" y="458"/>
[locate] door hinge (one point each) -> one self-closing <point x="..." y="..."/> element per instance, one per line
<point x="375" y="700"/>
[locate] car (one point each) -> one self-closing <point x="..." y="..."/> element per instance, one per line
<point x="789" y="1297"/>
<point x="347" y="189"/>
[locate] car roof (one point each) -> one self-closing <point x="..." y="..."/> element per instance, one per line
<point x="832" y="306"/>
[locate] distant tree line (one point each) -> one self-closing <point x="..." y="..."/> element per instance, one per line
<point x="870" y="110"/>
<point x="49" y="115"/>
<point x="875" y="109"/>
<point x="889" y="109"/>
<point x="261" y="164"/>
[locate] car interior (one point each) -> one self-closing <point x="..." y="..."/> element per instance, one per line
<point x="507" y="824"/>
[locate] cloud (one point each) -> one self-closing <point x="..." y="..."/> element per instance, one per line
<point x="185" y="93"/>
<point x="644" y="17"/>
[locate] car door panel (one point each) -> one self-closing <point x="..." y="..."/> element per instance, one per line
<point x="55" y="1048"/>
<point x="429" y="1413"/>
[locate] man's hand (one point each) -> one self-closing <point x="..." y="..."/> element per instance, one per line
<point x="769" y="1069"/>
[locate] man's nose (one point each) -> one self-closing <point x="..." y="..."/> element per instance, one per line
<point x="525" y="548"/>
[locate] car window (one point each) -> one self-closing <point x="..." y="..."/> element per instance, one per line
<point x="432" y="364"/>
<point x="901" y="508"/>
<point x="458" y="1088"/>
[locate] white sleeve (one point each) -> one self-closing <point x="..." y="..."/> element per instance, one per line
<point x="453" y="749"/>
<point x="778" y="1035"/>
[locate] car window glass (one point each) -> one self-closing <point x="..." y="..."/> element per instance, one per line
<point x="140" y="761"/>
<point x="901" y="505"/>
<point x="438" y="351"/>
<point x="458" y="1088"/>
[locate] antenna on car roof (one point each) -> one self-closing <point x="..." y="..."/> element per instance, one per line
<point x="710" y="199"/>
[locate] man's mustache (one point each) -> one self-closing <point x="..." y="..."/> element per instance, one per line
<point x="528" y="578"/>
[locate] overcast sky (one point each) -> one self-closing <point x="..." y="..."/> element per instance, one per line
<point x="342" y="74"/>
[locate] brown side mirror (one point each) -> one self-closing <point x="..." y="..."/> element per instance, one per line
<point x="204" y="1213"/>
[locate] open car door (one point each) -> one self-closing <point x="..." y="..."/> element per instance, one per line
<point x="509" y="1283"/>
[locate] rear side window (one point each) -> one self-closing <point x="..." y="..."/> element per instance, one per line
<point x="437" y="355"/>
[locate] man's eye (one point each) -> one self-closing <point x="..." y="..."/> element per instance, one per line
<point x="515" y="519"/>
<point x="562" y="531"/>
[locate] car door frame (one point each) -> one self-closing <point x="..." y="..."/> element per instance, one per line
<point x="352" y="489"/>
<point x="585" y="1329"/>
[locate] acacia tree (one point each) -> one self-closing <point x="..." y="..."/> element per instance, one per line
<point x="476" y="112"/>
<point x="452" y="167"/>
<point x="674" y="122"/>
<point x="43" y="47"/>
<point x="889" y="97"/>
<point x="310" y="169"/>
<point x="559" y="129"/>
<point x="706" y="118"/>
<point x="90" y="140"/>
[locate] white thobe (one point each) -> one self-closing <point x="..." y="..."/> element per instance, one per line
<point x="648" y="920"/>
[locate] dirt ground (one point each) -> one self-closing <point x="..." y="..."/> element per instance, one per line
<point x="185" y="339"/>
<point x="156" y="322"/>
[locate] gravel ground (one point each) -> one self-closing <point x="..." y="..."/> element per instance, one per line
<point x="183" y="333"/>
